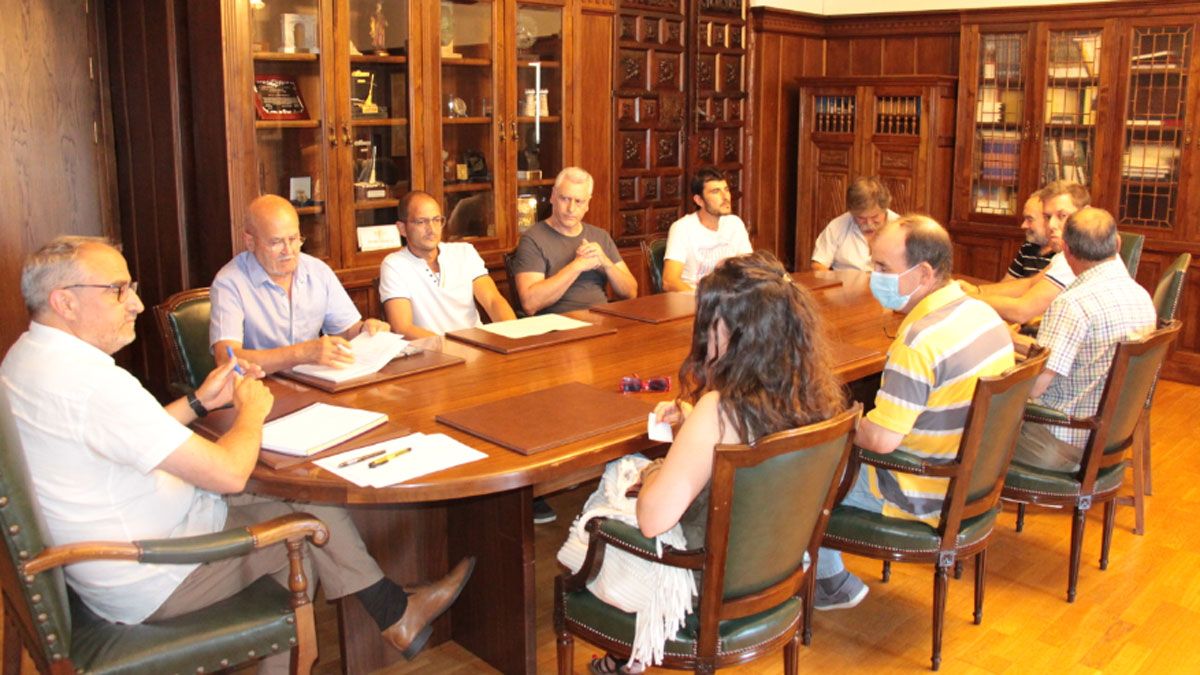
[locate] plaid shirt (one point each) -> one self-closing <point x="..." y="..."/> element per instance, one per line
<point x="1082" y="328"/>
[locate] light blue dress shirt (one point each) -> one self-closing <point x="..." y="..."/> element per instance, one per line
<point x="248" y="307"/>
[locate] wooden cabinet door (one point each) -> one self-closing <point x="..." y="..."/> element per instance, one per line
<point x="892" y="148"/>
<point x="719" y="93"/>
<point x="829" y="158"/>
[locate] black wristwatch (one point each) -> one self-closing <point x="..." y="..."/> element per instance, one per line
<point x="196" y="405"/>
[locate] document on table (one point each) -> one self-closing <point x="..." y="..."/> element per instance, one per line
<point x="533" y="325"/>
<point x="428" y="453"/>
<point x="371" y="354"/>
<point x="316" y="427"/>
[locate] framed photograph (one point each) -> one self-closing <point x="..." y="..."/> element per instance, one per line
<point x="300" y="190"/>
<point x="277" y="97"/>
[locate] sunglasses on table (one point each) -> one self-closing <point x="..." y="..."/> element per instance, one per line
<point x="634" y="384"/>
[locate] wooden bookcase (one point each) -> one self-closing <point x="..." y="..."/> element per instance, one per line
<point x="895" y="127"/>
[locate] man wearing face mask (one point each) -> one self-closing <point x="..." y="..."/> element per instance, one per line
<point x="945" y="344"/>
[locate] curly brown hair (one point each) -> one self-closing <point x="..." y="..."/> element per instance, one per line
<point x="775" y="373"/>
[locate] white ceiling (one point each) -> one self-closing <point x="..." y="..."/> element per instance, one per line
<point x="834" y="7"/>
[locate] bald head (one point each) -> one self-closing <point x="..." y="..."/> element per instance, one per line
<point x="268" y="211"/>
<point x="925" y="241"/>
<point x="1091" y="235"/>
<point x="273" y="235"/>
<point x="416" y="200"/>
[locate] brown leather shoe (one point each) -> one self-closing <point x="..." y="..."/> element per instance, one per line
<point x="426" y="603"/>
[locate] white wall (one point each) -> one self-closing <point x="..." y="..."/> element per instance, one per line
<point x="833" y="7"/>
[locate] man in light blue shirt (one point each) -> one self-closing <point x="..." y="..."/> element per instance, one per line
<point x="278" y="307"/>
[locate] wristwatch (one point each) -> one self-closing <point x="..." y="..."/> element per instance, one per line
<point x="196" y="405"/>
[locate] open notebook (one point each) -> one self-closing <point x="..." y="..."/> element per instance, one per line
<point x="316" y="427"/>
<point x="371" y="353"/>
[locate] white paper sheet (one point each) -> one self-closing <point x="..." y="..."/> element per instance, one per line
<point x="429" y="453"/>
<point x="659" y="431"/>
<point x="371" y="353"/>
<point x="317" y="427"/>
<point x="533" y="325"/>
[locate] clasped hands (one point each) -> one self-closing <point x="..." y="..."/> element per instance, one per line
<point x="590" y="256"/>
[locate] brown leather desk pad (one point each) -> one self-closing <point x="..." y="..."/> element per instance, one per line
<point x="546" y="419"/>
<point x="651" y="308"/>
<point x="815" y="281"/>
<point x="504" y="345"/>
<point x="397" y="367"/>
<point x="288" y="399"/>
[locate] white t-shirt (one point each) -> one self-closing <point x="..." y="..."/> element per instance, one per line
<point x="92" y="436"/>
<point x="1059" y="272"/>
<point x="700" y="249"/>
<point x="441" y="302"/>
<point x="843" y="246"/>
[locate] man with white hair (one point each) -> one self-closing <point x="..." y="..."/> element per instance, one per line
<point x="562" y="263"/>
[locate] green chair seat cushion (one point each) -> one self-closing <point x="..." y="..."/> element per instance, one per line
<point x="1043" y="481"/>
<point x="592" y="615"/>
<point x="254" y="619"/>
<point x="852" y="525"/>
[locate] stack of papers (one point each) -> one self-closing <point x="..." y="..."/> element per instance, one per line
<point x="427" y="453"/>
<point x="316" y="427"/>
<point x="371" y="354"/>
<point x="533" y="325"/>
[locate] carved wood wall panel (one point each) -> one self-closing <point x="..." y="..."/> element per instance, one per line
<point x="650" y="88"/>
<point x="681" y="105"/>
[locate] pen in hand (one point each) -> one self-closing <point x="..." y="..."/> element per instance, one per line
<point x="387" y="458"/>
<point x="237" y="368"/>
<point x="356" y="460"/>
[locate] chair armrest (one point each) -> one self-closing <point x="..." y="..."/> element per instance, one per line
<point x="630" y="539"/>
<point x="184" y="550"/>
<point x="898" y="460"/>
<point x="1041" y="414"/>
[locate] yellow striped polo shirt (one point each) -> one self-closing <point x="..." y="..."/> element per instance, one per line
<point x="944" y="345"/>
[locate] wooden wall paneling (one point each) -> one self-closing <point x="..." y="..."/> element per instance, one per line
<point x="837" y="58"/>
<point x="937" y="55"/>
<point x="147" y="56"/>
<point x="592" y="140"/>
<point x="984" y="256"/>
<point x="898" y="55"/>
<point x="718" y="96"/>
<point x="55" y="138"/>
<point x="651" y="118"/>
<point x="866" y="56"/>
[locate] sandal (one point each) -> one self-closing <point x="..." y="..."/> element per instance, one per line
<point x="608" y="665"/>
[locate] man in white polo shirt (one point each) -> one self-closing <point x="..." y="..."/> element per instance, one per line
<point x="845" y="243"/>
<point x="430" y="287"/>
<point x="705" y="237"/>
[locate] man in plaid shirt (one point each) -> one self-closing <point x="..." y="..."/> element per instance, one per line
<point x="1082" y="327"/>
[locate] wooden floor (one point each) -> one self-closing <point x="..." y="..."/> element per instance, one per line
<point x="1141" y="615"/>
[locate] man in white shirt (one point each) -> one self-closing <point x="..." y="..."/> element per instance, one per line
<point x="705" y="237"/>
<point x="1021" y="300"/>
<point x="430" y="287"/>
<point x="108" y="462"/>
<point x="845" y="243"/>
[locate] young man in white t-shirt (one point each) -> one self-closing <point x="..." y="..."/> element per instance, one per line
<point x="700" y="240"/>
<point x="430" y="287"/>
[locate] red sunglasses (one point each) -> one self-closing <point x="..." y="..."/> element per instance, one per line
<point x="634" y="384"/>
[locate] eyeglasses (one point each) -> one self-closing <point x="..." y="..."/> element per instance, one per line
<point x="122" y="289"/>
<point x="284" y="243"/>
<point x="426" y="222"/>
<point x="634" y="384"/>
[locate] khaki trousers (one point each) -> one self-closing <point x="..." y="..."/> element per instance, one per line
<point x="343" y="565"/>
<point x="1037" y="447"/>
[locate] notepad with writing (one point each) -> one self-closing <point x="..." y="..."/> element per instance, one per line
<point x="316" y="427"/>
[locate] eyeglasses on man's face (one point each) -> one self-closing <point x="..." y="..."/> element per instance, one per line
<point x="122" y="290"/>
<point x="281" y="244"/>
<point x="436" y="221"/>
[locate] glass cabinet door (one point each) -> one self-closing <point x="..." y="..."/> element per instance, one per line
<point x="537" y="113"/>
<point x="1155" y="119"/>
<point x="293" y="116"/>
<point x="1069" y="110"/>
<point x="377" y="161"/>
<point x="1000" y="124"/>
<point x="469" y="158"/>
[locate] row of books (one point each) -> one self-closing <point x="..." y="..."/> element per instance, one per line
<point x="999" y="154"/>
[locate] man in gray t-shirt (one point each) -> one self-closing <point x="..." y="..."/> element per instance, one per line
<point x="562" y="263"/>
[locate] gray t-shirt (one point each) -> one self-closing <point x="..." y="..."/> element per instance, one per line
<point x="544" y="250"/>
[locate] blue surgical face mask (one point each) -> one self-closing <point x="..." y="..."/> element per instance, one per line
<point x="885" y="287"/>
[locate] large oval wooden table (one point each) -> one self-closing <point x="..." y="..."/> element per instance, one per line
<point x="417" y="529"/>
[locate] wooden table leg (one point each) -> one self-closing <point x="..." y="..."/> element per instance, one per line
<point x="495" y="617"/>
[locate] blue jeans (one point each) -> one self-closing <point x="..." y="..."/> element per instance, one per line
<point x="829" y="561"/>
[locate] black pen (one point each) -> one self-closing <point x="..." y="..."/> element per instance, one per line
<point x="387" y="458"/>
<point x="356" y="460"/>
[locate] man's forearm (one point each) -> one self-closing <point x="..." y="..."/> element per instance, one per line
<point x="541" y="294"/>
<point x="623" y="283"/>
<point x="1013" y="310"/>
<point x="272" y="360"/>
<point x="242" y="443"/>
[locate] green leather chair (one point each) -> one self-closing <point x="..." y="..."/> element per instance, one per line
<point x="1166" y="305"/>
<point x="768" y="506"/>
<point x="972" y="499"/>
<point x="183" y="322"/>
<point x="1131" y="251"/>
<point x="653" y="252"/>
<point x="1111" y="431"/>
<point x="64" y="636"/>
